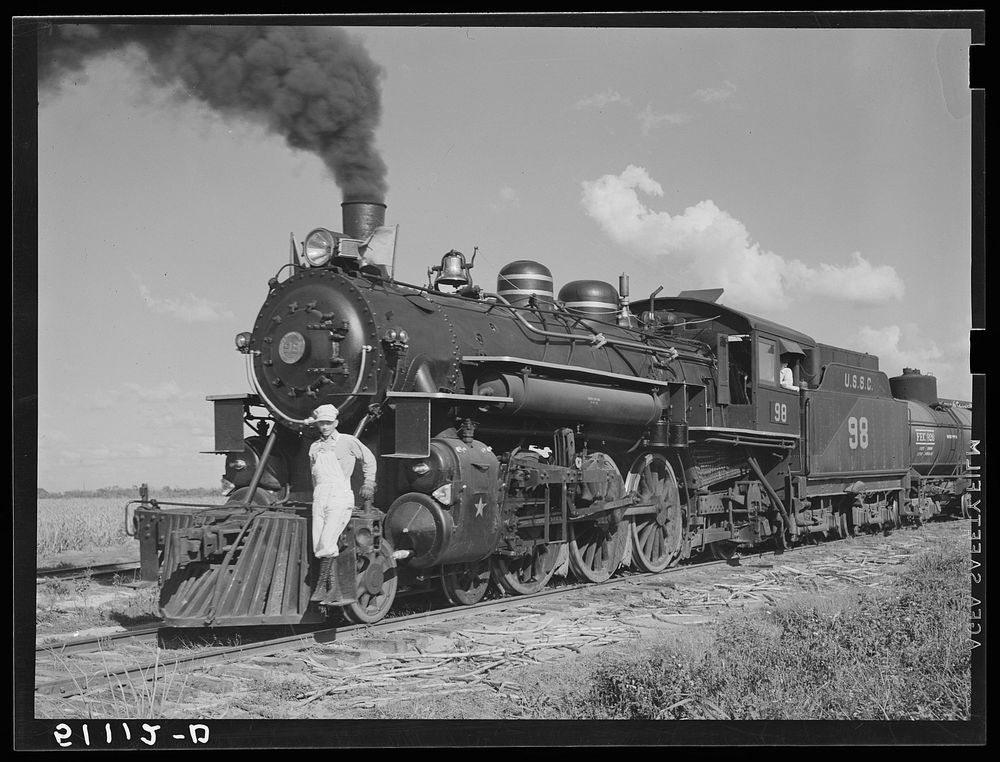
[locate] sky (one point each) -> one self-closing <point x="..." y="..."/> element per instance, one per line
<point x="820" y="176"/>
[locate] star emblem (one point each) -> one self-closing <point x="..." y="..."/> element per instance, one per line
<point x="480" y="505"/>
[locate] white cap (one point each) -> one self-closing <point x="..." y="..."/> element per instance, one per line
<point x="324" y="413"/>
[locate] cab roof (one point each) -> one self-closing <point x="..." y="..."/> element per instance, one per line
<point x="734" y="320"/>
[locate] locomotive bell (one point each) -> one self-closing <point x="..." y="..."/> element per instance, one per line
<point x="453" y="270"/>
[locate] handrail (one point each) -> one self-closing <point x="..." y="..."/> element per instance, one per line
<point x="669" y="351"/>
<point x="365" y="349"/>
<point x="258" y="473"/>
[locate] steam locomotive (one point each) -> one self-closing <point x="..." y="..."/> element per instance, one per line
<point x="519" y="433"/>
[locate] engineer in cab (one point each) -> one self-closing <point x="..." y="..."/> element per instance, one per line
<point x="787" y="378"/>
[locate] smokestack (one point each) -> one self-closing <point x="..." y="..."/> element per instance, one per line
<point x="362" y="217"/>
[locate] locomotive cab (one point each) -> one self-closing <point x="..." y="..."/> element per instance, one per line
<point x="750" y="376"/>
<point x="748" y="351"/>
<point x="774" y="407"/>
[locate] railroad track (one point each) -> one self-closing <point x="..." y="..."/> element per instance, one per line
<point x="76" y="645"/>
<point x="86" y="572"/>
<point x="59" y="675"/>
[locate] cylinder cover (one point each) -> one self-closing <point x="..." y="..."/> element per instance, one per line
<point x="416" y="522"/>
<point x="461" y="522"/>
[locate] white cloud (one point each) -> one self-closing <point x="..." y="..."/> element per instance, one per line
<point x="860" y="282"/>
<point x="60" y="457"/>
<point x="715" y="249"/>
<point x="193" y="309"/>
<point x="165" y="391"/>
<point x="647" y="118"/>
<point x="908" y="346"/>
<point x="122" y="451"/>
<point x="93" y="457"/>
<point x="508" y="197"/>
<point x="52" y="437"/>
<point x="885" y="342"/>
<point x="650" y="120"/>
<point x="716" y="94"/>
<point x="105" y="398"/>
<point x="602" y="100"/>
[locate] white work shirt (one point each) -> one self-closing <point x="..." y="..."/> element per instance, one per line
<point x="787" y="380"/>
<point x="348" y="450"/>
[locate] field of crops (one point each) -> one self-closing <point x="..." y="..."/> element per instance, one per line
<point x="68" y="524"/>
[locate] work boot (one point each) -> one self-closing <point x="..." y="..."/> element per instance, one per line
<point x="323" y="581"/>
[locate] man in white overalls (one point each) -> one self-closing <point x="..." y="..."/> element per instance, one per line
<point x="332" y="459"/>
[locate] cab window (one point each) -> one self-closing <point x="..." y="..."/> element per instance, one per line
<point x="767" y="368"/>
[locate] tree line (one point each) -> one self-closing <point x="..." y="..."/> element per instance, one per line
<point x="130" y="492"/>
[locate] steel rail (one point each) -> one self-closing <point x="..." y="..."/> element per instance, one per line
<point x="300" y="641"/>
<point x="77" y="685"/>
<point x="89" y="645"/>
<point x="91" y="570"/>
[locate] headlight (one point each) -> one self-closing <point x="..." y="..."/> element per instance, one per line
<point x="319" y="247"/>
<point x="243" y="341"/>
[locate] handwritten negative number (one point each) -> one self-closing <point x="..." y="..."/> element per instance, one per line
<point x="857" y="433"/>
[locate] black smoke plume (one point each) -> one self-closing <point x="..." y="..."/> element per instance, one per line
<point x="317" y="87"/>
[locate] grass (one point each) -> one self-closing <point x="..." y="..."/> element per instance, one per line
<point x="150" y="694"/>
<point x="270" y="697"/>
<point x="896" y="653"/>
<point x="128" y="607"/>
<point x="146" y="695"/>
<point x="901" y="653"/>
